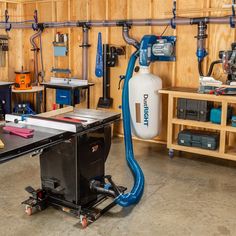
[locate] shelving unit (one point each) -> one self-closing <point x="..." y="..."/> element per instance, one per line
<point x="225" y="150"/>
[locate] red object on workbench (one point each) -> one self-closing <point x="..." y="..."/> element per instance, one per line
<point x="22" y="132"/>
<point x="70" y="119"/>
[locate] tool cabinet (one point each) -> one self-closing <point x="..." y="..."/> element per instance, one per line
<point x="227" y="142"/>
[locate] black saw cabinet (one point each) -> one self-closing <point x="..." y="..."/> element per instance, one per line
<point x="67" y="168"/>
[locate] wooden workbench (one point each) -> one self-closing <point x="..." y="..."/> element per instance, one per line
<point x="227" y="147"/>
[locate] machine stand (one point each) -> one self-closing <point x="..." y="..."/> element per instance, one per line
<point x="40" y="200"/>
<point x="105" y="102"/>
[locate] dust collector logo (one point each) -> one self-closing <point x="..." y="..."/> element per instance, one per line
<point x="146" y="109"/>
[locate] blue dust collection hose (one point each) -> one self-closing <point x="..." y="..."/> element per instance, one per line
<point x="136" y="193"/>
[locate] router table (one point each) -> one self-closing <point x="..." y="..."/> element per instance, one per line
<point x="73" y="145"/>
<point x="68" y="87"/>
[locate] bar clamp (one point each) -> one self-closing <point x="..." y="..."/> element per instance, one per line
<point x="172" y="21"/>
<point x="8" y="28"/>
<point x="232" y="23"/>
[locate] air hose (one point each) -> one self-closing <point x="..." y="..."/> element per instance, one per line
<point x="136" y="193"/>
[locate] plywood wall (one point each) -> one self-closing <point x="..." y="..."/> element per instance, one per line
<point x="182" y="73"/>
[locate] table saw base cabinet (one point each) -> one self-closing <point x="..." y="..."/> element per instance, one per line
<point x="67" y="168"/>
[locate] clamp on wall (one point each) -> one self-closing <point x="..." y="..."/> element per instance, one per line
<point x="35" y="24"/>
<point x="172" y="21"/>
<point x="232" y="24"/>
<point x="6" y="21"/>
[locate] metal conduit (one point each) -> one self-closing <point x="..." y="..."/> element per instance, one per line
<point x="129" y="22"/>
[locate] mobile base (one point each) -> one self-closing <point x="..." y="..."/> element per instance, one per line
<point x="40" y="200"/>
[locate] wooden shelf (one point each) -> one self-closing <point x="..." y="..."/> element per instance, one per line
<point x="190" y="93"/>
<point x="204" y="125"/>
<point x="223" y="151"/>
<point x="196" y="150"/>
<point x="229" y="128"/>
<point x="199" y="124"/>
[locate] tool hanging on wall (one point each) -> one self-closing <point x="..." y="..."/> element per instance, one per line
<point x="60" y="45"/>
<point x="3" y="49"/>
<point x="39" y="28"/>
<point x="99" y="62"/>
<point x="110" y="59"/>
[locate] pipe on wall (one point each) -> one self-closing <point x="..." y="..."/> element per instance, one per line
<point x="35" y="50"/>
<point x="128" y="39"/>
<point x="85" y="45"/>
<point x="129" y="22"/>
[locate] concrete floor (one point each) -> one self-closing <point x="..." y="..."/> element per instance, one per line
<point x="183" y="196"/>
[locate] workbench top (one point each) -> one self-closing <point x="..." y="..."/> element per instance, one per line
<point x="66" y="86"/>
<point x="34" y="89"/>
<point x="192" y="93"/>
<point x="3" y="83"/>
<point x="15" y="146"/>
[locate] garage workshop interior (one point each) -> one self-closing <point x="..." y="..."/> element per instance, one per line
<point x="118" y="117"/>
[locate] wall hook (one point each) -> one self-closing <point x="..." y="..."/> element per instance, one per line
<point x="8" y="28"/>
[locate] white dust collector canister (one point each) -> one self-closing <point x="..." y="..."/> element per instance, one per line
<point x="145" y="104"/>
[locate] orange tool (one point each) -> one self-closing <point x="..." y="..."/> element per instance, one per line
<point x="23" y="81"/>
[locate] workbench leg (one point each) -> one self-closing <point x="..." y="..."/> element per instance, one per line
<point x="45" y="99"/>
<point x="170" y="124"/>
<point x="88" y="98"/>
<point x="38" y="95"/>
<point x="72" y="94"/>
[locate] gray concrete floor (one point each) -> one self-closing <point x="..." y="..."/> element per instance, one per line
<point x="184" y="196"/>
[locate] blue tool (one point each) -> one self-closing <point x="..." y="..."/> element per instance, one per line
<point x="24" y="109"/>
<point x="99" y="59"/>
<point x="154" y="48"/>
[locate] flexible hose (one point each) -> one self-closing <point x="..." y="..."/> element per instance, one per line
<point x="212" y="66"/>
<point x="210" y="69"/>
<point x="200" y="68"/>
<point x="136" y="193"/>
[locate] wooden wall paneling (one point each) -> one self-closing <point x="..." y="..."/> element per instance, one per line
<point x="46" y="13"/>
<point x="220" y="38"/>
<point x="97" y="11"/>
<point x="78" y="11"/>
<point x="15" y="42"/>
<point x="27" y="53"/>
<point x="165" y="70"/>
<point x="187" y="69"/>
<point x="4" y="70"/>
<point x="117" y="10"/>
<point x="61" y="16"/>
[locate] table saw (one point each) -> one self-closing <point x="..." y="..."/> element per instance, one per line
<point x="73" y="145"/>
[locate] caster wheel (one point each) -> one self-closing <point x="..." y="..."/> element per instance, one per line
<point x="171" y="154"/>
<point x="29" y="210"/>
<point x="84" y="222"/>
